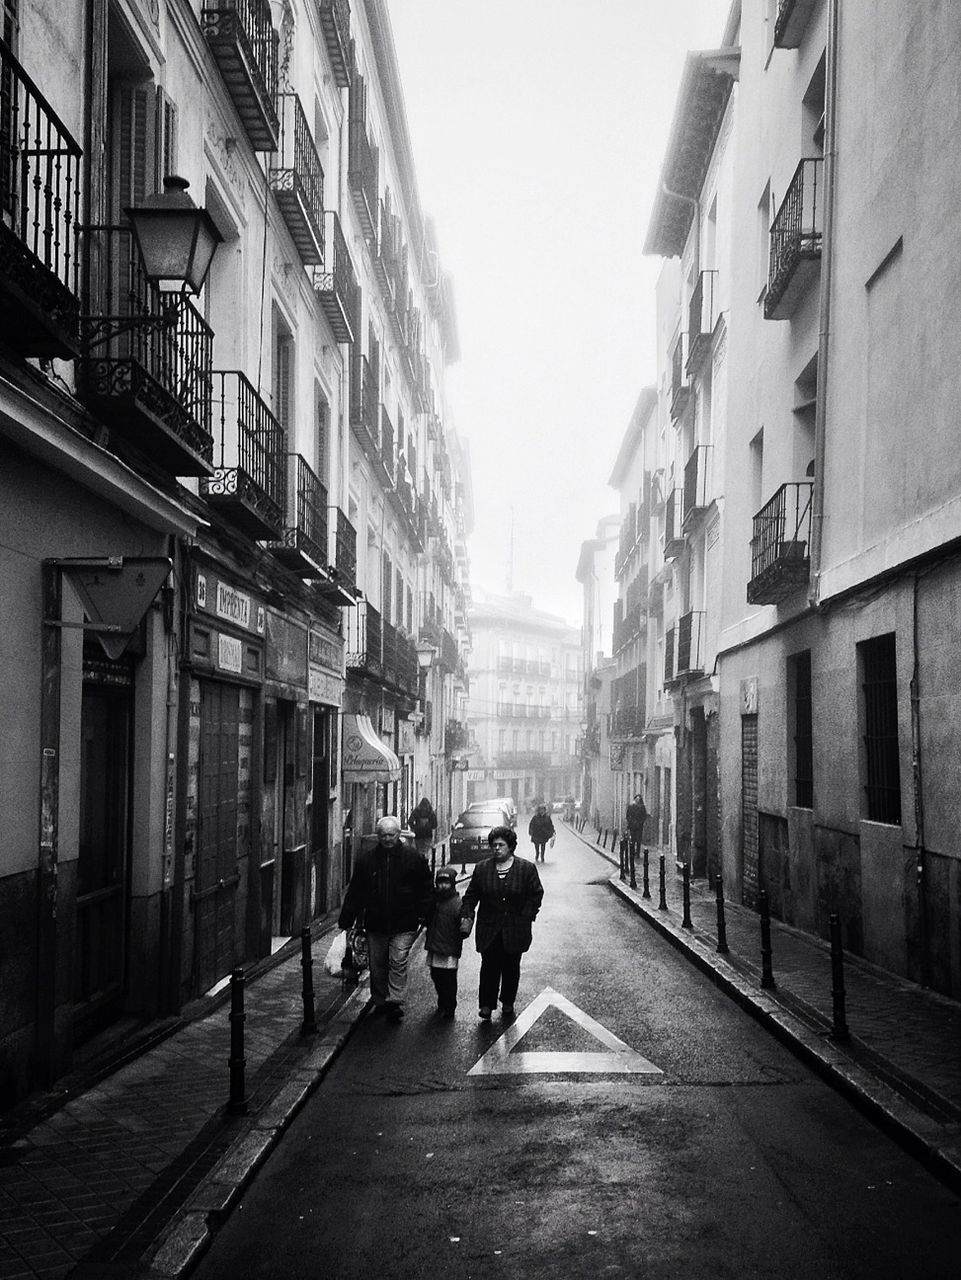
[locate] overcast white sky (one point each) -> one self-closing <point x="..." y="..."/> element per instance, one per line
<point x="538" y="129"/>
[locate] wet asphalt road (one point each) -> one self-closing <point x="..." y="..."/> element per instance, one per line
<point x="731" y="1161"/>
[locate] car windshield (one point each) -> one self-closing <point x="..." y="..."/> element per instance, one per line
<point x="481" y="818"/>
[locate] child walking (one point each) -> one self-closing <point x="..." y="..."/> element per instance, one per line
<point x="444" y="941"/>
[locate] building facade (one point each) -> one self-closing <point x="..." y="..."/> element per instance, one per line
<point x="525" y="703"/>
<point x="836" y="477"/>
<point x="228" y="510"/>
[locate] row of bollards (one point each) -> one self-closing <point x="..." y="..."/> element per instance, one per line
<point x="628" y="851"/>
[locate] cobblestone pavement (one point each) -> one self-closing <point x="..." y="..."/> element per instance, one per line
<point x="93" y="1183"/>
<point x="127" y="1177"/>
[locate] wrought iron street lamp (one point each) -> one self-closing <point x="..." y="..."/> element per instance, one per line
<point x="176" y="239"/>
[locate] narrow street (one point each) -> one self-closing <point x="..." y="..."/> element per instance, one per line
<point x="677" y="1138"/>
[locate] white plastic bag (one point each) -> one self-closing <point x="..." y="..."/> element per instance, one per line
<point x="334" y="960"/>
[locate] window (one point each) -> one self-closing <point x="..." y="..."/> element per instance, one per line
<point x="386" y="587"/>
<point x="283" y="375"/>
<point x="800" y="744"/>
<point x="879" y="721"/>
<point x="322" y="438"/>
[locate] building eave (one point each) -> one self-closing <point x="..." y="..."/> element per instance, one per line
<point x="706" y="85"/>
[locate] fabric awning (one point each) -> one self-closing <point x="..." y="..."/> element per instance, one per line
<point x="366" y="757"/>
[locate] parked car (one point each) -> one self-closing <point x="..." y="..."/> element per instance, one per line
<point x="505" y="802"/>
<point x="468" y="837"/>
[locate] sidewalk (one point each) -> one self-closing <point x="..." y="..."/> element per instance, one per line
<point x="902" y="1061"/>
<point x="120" y="1180"/>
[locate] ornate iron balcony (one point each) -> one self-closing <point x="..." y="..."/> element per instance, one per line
<point x="39" y="208"/>
<point x="336" y="284"/>
<point x="335" y="23"/>
<point x="674" y="540"/>
<point x="340" y="586"/>
<point x="687" y="644"/>
<point x="696" y="483"/>
<point x="304" y="545"/>
<point x="365" y="404"/>
<point x="680" y="387"/>
<point x="362" y="162"/>
<point x="298" y="181"/>
<point x="795" y="258"/>
<point x="387" y="444"/>
<point x="780" y="556"/>
<point x="247" y="486"/>
<point x="246" y="47"/>
<point x="702" y="317"/>
<point x="151" y="385"/>
<point x="364" y="639"/>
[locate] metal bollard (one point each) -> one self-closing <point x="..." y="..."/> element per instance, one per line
<point x="633" y="857"/>
<point x="840" y="1030"/>
<point x="237" y="1103"/>
<point x="767" y="973"/>
<point x="622" y="855"/>
<point x="722" y="947"/>
<point x="604" y="839"/>
<point x="686" y="880"/>
<point x="309" y="1025"/>
<point x="662" y="905"/>
<point x="647" y="881"/>
<point x="433" y="859"/>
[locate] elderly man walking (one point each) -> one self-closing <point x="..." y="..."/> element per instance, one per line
<point x="390" y="892"/>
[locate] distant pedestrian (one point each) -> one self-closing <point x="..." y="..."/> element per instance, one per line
<point x="540" y="830"/>
<point x="390" y="892"/>
<point x="423" y="823"/>
<point x="636" y="818"/>
<point x="506" y="893"/>
<point x="444" y="941"/>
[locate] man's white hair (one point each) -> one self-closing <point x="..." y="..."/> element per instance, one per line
<point x="387" y="824"/>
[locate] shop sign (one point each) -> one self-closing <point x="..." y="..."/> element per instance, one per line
<point x="229" y="604"/>
<point x="325" y="652"/>
<point x="230" y="654"/>
<point x="323" y="687"/>
<point x="504" y="775"/>
<point x="286" y="650"/>
<point x="474" y="775"/>
<point x="386" y="719"/>
<point x="618" y="757"/>
<point x="405" y="738"/>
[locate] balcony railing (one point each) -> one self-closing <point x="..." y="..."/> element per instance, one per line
<point x="364" y="639"/>
<point x="341" y="585"/>
<point x="336" y="284"/>
<point x="522" y="711"/>
<point x="628" y="722"/>
<point x="674" y="540"/>
<point x="365" y="404"/>
<point x="304" y="545"/>
<point x="151" y="385"/>
<point x="523" y="760"/>
<point x="335" y="22"/>
<point x="702" y="317"/>
<point x="791" y="22"/>
<point x="39" y="209"/>
<point x="680" y="387"/>
<point x="697" y="483"/>
<point x="387" y="444"/>
<point x="248" y="483"/>
<point x="780" y="556"/>
<point x="246" y="47"/>
<point x="523" y="667"/>
<point x="686" y="645"/>
<point x="362" y="162"/>
<point x="298" y="181"/>
<point x="795" y="258"/>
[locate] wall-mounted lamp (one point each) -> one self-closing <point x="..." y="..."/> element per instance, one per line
<point x="177" y="241"/>
<point x="426" y="656"/>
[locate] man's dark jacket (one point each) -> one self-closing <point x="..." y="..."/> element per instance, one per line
<point x="636" y="817"/>
<point x="541" y="828"/>
<point x="390" y="890"/>
<point x="507" y="908"/>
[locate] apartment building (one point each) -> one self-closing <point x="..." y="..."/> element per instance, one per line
<point x="836" y="478"/>
<point x="595" y="573"/>
<point x="228" y="491"/>
<point x="525" y="704"/>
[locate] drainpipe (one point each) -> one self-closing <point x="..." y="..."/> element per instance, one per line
<point x="824" y="330"/>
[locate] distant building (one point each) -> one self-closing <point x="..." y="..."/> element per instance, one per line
<point x="526" y="698"/>
<point x="595" y="573"/>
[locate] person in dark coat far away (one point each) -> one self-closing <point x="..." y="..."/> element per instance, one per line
<point x="390" y="892"/>
<point x="636" y="817"/>
<point x="506" y="893"/>
<point x="423" y="823"/>
<point x="540" y="830"/>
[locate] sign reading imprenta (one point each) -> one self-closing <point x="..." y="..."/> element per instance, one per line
<point x="232" y="605"/>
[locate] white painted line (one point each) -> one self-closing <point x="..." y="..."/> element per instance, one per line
<point x="501" y="1058"/>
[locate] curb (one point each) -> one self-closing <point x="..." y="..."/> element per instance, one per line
<point x="191" y="1231"/>
<point x="936" y="1145"/>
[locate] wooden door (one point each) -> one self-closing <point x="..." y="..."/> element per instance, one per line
<point x="217" y="875"/>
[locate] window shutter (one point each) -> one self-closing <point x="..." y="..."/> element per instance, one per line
<point x="135" y="155"/>
<point x="166" y="134"/>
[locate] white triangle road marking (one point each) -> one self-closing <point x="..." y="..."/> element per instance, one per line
<point x="500" y="1058"/>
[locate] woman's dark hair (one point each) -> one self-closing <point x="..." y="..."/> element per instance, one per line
<point x="507" y="834"/>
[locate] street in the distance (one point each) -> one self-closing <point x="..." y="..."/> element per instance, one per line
<point x="678" y="1139"/>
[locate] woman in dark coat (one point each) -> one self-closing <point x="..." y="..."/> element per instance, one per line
<point x="506" y="894"/>
<point x="541" y="830"/>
